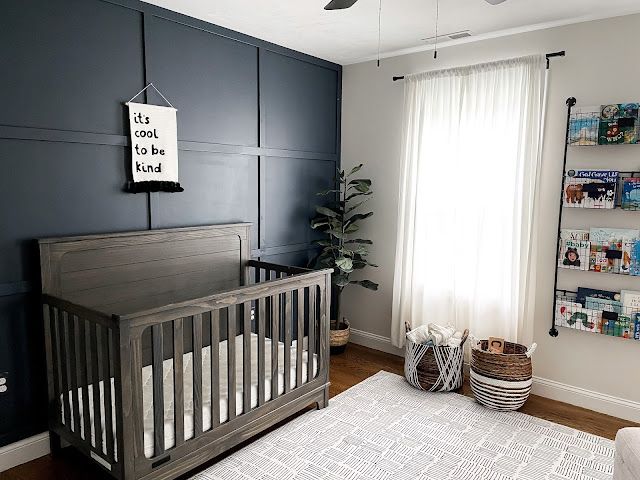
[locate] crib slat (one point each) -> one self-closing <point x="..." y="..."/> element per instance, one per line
<point x="312" y="331"/>
<point x="261" y="349"/>
<point x="106" y="375"/>
<point x="73" y="380"/>
<point x="231" y="362"/>
<point x="288" y="316"/>
<point x="85" y="380"/>
<point x="215" y="368"/>
<point x="95" y="385"/>
<point x="275" y="335"/>
<point x="63" y="331"/>
<point x="51" y="386"/>
<point x="178" y="381"/>
<point x="55" y="366"/>
<point x="246" y="358"/>
<point x="197" y="375"/>
<point x="300" y="337"/>
<point x="158" y="394"/>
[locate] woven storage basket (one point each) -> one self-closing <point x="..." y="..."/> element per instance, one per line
<point x="501" y="381"/>
<point x="434" y="369"/>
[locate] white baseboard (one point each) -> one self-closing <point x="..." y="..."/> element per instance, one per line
<point x="377" y="342"/>
<point x="24" y="451"/>
<point x="581" y="397"/>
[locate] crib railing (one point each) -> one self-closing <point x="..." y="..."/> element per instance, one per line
<point x="84" y="348"/>
<point x="81" y="356"/>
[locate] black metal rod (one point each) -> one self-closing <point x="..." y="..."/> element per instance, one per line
<point x="549" y="55"/>
<point x="571" y="102"/>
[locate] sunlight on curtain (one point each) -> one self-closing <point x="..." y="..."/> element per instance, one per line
<point x="471" y="161"/>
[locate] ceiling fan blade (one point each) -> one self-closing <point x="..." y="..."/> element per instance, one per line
<point x="494" y="2"/>
<point x="339" y="4"/>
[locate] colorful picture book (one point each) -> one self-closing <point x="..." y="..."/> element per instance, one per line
<point x="590" y="188"/>
<point x="584" y="126"/>
<point x="631" y="193"/>
<point x="583" y="293"/>
<point x="618" y="124"/>
<point x="574" y="249"/>
<point x="606" y="305"/>
<point x="636" y="327"/>
<point x="603" y="234"/>
<point x="630" y="299"/>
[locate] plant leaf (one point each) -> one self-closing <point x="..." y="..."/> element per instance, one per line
<point x="327" y="192"/>
<point x="357" y="194"/>
<point x="326" y="211"/>
<point x="351" y="228"/>
<point x="354" y="170"/>
<point x="366" y="284"/>
<point x="341" y="280"/>
<point x="360" y="240"/>
<point x="345" y="264"/>
<point x="319" y="222"/>
<point x="336" y="233"/>
<point x="363" y="181"/>
<point x="357" y="205"/>
<point x="356" y="217"/>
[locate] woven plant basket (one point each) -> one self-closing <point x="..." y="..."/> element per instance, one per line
<point x="339" y="338"/>
<point x="501" y="381"/>
<point x="434" y="369"/>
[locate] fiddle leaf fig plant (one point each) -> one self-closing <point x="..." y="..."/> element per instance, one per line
<point x="340" y="220"/>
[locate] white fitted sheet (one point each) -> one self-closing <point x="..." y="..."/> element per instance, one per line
<point x="169" y="432"/>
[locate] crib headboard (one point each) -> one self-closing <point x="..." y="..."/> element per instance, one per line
<point x="121" y="273"/>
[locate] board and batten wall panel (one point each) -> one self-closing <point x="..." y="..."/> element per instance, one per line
<point x="258" y="131"/>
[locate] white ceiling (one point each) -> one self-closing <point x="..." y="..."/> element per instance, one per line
<point x="351" y="36"/>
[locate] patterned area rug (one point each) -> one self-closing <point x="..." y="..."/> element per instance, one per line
<point x="385" y="429"/>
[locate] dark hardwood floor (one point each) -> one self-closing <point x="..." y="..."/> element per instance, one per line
<point x="353" y="366"/>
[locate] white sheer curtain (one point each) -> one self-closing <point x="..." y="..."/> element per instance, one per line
<point x="471" y="161"/>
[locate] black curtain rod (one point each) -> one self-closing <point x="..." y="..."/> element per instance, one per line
<point x="549" y="55"/>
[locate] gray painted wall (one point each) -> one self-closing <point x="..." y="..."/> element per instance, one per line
<point x="258" y="129"/>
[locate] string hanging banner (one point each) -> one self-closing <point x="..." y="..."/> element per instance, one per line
<point x="154" y="148"/>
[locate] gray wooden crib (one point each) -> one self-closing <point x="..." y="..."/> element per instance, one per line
<point x="166" y="348"/>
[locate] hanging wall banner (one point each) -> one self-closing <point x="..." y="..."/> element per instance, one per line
<point x="154" y="148"/>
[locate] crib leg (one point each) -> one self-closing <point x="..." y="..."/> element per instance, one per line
<point x="55" y="444"/>
<point x="324" y="401"/>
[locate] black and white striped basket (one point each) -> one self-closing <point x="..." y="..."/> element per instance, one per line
<point x="501" y="381"/>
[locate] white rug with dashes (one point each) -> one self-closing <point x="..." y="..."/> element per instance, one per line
<point x="384" y="429"/>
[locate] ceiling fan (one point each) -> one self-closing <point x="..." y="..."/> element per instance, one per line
<point x="342" y="4"/>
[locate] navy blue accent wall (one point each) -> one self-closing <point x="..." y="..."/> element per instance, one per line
<point x="258" y="128"/>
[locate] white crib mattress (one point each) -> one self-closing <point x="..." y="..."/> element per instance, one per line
<point x="169" y="431"/>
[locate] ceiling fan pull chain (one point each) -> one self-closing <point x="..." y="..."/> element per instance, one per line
<point x="435" y="50"/>
<point x="379" y="30"/>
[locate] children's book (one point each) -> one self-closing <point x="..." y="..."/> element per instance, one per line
<point x="622" y="326"/>
<point x="618" y="124"/>
<point x="636" y="327"/>
<point x="603" y="304"/>
<point x="605" y="257"/>
<point x="590" y="188"/>
<point x="631" y="193"/>
<point x="609" y="131"/>
<point x="599" y="234"/>
<point x="630" y="301"/>
<point x="583" y="293"/>
<point x="572" y="234"/>
<point x="574" y="254"/>
<point x="628" y="122"/>
<point x="573" y="315"/>
<point x="634" y="268"/>
<point x="583" y="126"/>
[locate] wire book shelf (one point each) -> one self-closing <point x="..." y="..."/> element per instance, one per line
<point x="603" y="312"/>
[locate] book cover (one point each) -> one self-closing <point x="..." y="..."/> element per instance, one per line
<point x="573" y="315"/>
<point x="599" y="260"/>
<point x="609" y="130"/>
<point x="630" y="300"/>
<point x="584" y="292"/>
<point x="619" y="327"/>
<point x="590" y="188"/>
<point x="606" y="305"/>
<point x="631" y="193"/>
<point x="628" y="122"/>
<point x="634" y="268"/>
<point x="584" y="126"/>
<point x="600" y="234"/>
<point x="574" y="254"/>
<point x="636" y="327"/>
<point x="573" y="234"/>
